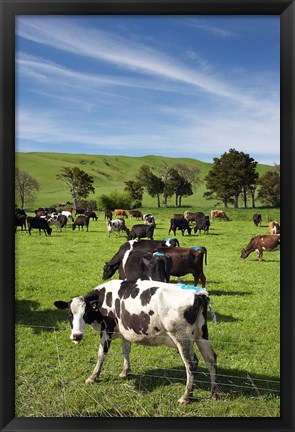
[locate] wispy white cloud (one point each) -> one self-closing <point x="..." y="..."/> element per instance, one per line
<point x="126" y="53"/>
<point x="209" y="28"/>
<point x="145" y="101"/>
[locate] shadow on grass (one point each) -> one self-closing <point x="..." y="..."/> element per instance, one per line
<point x="230" y="381"/>
<point x="27" y="314"/>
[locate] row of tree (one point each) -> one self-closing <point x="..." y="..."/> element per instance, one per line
<point x="232" y="176"/>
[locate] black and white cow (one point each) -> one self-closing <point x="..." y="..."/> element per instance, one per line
<point x="150" y="313"/>
<point x="148" y="219"/>
<point x="113" y="265"/>
<point x="145" y="266"/>
<point x="53" y="220"/>
<point x="117" y="225"/>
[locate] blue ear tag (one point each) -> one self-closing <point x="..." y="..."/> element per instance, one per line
<point x="159" y="254"/>
<point x="190" y="287"/>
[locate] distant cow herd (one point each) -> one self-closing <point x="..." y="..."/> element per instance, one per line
<point x="143" y="306"/>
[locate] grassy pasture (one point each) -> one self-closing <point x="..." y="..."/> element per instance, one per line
<point x="50" y="370"/>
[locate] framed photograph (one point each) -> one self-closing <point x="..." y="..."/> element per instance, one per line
<point x="163" y="121"/>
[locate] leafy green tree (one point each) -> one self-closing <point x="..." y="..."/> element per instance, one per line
<point x="269" y="192"/>
<point x="114" y="200"/>
<point x="79" y="182"/>
<point x="153" y="184"/>
<point x="26" y="187"/>
<point x="135" y="190"/>
<point x="232" y="174"/>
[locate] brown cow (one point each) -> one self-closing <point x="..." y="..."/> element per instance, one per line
<point x="274" y="227"/>
<point x="178" y="216"/>
<point x="120" y="212"/>
<point x="260" y="243"/>
<point x="219" y="214"/>
<point x="135" y="213"/>
<point x="108" y="214"/>
<point x="187" y="260"/>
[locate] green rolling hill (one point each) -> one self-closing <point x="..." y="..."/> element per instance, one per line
<point x="109" y="173"/>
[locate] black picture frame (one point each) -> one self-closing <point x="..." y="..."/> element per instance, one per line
<point x="9" y="9"/>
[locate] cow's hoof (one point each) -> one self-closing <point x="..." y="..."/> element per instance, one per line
<point x="183" y="400"/>
<point x="90" y="380"/>
<point x="214" y="395"/>
<point x="123" y="375"/>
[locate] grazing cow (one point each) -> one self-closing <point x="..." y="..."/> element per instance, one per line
<point x="113" y="265"/>
<point x="181" y="224"/>
<point x="257" y="219"/>
<point x="135" y="213"/>
<point x="39" y="223"/>
<point x="142" y="231"/>
<point x="193" y="217"/>
<point x="187" y="260"/>
<point x="202" y="224"/>
<point x="63" y="220"/>
<point x="120" y="212"/>
<point x="150" y="313"/>
<point x="148" y="219"/>
<point x="108" y="214"/>
<point x="145" y="266"/>
<point x="81" y="221"/>
<point x="91" y="214"/>
<point x="53" y="220"/>
<point x="219" y="214"/>
<point x="20" y="220"/>
<point x="79" y="211"/>
<point x="117" y="225"/>
<point x="274" y="227"/>
<point x="260" y="243"/>
<point x="68" y="214"/>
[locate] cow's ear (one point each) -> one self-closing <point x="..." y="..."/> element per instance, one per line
<point x="94" y="305"/>
<point x="61" y="304"/>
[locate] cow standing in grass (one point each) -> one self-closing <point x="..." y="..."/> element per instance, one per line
<point x="149" y="313"/>
<point x="260" y="243"/>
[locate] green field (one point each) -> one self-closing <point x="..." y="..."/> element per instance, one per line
<point x="50" y="370"/>
<point x="108" y="172"/>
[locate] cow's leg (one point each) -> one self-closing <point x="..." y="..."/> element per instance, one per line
<point x="104" y="345"/>
<point x="210" y="358"/>
<point x="186" y="350"/>
<point x="198" y="276"/>
<point x="259" y="252"/>
<point x="126" y="347"/>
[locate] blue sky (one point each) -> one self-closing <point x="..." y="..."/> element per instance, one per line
<point x="179" y="86"/>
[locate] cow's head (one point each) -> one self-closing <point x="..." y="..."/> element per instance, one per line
<point x="108" y="271"/>
<point x="80" y="313"/>
<point x="244" y="253"/>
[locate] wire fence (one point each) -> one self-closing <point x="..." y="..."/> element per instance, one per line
<point x="241" y="382"/>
